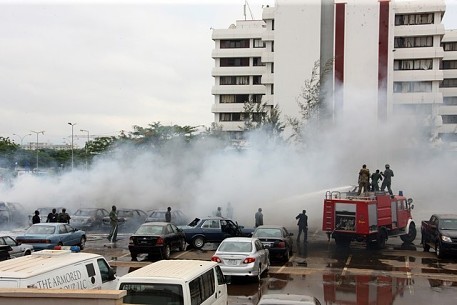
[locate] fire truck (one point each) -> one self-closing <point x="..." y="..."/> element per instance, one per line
<point x="372" y="218"/>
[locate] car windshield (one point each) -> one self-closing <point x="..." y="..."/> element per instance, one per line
<point x="235" y="246"/>
<point x="194" y="222"/>
<point x="448" y="224"/>
<point x="158" y="215"/>
<point x="124" y="213"/>
<point x="148" y="229"/>
<point x="41" y="230"/>
<point x="267" y="232"/>
<point x="85" y="212"/>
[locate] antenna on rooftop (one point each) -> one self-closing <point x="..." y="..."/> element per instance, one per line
<point x="246" y="4"/>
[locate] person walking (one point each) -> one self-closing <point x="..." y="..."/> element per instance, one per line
<point x="168" y="215"/>
<point x="36" y="217"/>
<point x="112" y="236"/>
<point x="387" y="174"/>
<point x="63" y="216"/>
<point x="364" y="179"/>
<point x="375" y="177"/>
<point x="52" y="216"/>
<point x="258" y="218"/>
<point x="302" y="226"/>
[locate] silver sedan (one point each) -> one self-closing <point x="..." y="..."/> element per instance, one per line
<point x="242" y="256"/>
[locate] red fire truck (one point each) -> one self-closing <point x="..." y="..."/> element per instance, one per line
<point x="370" y="218"/>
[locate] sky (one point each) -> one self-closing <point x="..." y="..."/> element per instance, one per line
<point x="108" y="65"/>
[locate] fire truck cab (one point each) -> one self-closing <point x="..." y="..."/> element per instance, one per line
<point x="370" y="218"/>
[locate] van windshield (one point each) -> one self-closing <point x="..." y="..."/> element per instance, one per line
<point x="150" y="293"/>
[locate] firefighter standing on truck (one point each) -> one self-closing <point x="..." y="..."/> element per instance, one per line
<point x="364" y="179"/>
<point x="375" y="177"/>
<point x="387" y="174"/>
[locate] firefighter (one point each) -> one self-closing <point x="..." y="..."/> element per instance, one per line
<point x="114" y="220"/>
<point x="387" y="174"/>
<point x="364" y="179"/>
<point x="302" y="226"/>
<point x="375" y="177"/>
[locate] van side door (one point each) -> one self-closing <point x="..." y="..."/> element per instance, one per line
<point x="221" y="287"/>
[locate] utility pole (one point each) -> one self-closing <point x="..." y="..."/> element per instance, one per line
<point x="36" y="148"/>
<point x="72" y="157"/>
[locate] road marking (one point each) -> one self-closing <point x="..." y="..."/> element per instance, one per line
<point x="180" y="254"/>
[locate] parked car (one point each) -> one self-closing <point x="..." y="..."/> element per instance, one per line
<point x="212" y="229"/>
<point x="242" y="256"/>
<point x="276" y="239"/>
<point x="440" y="233"/>
<point x="177" y="217"/>
<point x="48" y="235"/>
<point x="88" y="218"/>
<point x="288" y="299"/>
<point x="156" y="238"/>
<point x="4" y="252"/>
<point x="12" y="215"/>
<point x="128" y="219"/>
<point x="17" y="248"/>
<point x="44" y="211"/>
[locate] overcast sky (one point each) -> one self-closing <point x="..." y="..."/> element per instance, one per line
<point x="107" y="67"/>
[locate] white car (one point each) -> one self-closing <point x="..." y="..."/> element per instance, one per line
<point x="242" y="256"/>
<point x="18" y="248"/>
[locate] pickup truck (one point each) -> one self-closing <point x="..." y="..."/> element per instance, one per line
<point x="440" y="233"/>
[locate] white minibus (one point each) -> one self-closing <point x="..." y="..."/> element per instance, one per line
<point x="175" y="282"/>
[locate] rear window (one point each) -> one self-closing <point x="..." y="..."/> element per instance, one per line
<point x="41" y="230"/>
<point x="148" y="293"/>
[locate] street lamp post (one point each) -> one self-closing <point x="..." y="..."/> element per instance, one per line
<point x="72" y="159"/>
<point x="22" y="138"/>
<point x="87" y="146"/>
<point x="36" y="148"/>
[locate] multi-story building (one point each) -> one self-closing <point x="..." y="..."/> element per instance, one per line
<point x="390" y="58"/>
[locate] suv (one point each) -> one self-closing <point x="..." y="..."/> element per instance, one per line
<point x="12" y="215"/>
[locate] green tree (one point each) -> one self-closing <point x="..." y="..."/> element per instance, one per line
<point x="263" y="117"/>
<point x="8" y="150"/>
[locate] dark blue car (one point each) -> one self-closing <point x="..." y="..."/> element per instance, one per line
<point x="212" y="230"/>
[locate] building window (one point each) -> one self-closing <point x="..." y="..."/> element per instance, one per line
<point x="257" y="98"/>
<point x="257" y="61"/>
<point x="449" y="83"/>
<point x="234" y="98"/>
<point x="449" y="119"/>
<point x="257" y="79"/>
<point x="413" y="64"/>
<point x="235" y="62"/>
<point x="258" y="43"/>
<point x="272" y="67"/>
<point x="230" y="117"/>
<point x="449" y="64"/>
<point x="413" y="42"/>
<point x="450" y="100"/>
<point x="234" y="80"/>
<point x="410" y="87"/>
<point x="412" y="19"/>
<point x="234" y="43"/>
<point x="272" y="89"/>
<point x="449" y="46"/>
<point x="272" y="46"/>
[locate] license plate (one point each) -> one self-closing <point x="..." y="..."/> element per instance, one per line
<point x="231" y="262"/>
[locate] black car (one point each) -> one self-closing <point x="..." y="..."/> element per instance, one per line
<point x="276" y="239"/>
<point x="177" y="217"/>
<point x="88" y="218"/>
<point x="156" y="238"/>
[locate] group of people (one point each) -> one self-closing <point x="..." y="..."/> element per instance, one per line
<point x="302" y="223"/>
<point x="53" y="216"/>
<point x="364" y="180"/>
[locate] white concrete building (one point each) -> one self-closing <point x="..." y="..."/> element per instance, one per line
<point x="388" y="60"/>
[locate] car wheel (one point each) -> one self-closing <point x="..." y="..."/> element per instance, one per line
<point x="198" y="242"/>
<point x="286" y="256"/>
<point x="27" y="252"/>
<point x="82" y="243"/>
<point x="166" y="251"/>
<point x="182" y="245"/>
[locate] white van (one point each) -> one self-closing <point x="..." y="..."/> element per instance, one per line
<point x="177" y="282"/>
<point x="57" y="269"/>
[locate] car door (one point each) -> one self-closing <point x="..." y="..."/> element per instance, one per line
<point x="212" y="230"/>
<point x="68" y="234"/>
<point x="263" y="257"/>
<point x="7" y="240"/>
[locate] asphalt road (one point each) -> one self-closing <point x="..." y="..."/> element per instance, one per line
<point x="399" y="274"/>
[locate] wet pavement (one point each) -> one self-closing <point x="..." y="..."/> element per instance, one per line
<point x="399" y="274"/>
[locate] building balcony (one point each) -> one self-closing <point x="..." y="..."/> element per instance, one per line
<point x="268" y="36"/>
<point x="447" y="128"/>
<point x="447" y="110"/>
<point x="417" y="75"/>
<point x="268" y="57"/>
<point x="450" y="55"/>
<point x="225" y="108"/>
<point x="236" y="33"/>
<point x="418" y="98"/>
<point x="268" y="13"/>
<point x="268" y="78"/>
<point x="238" y="71"/>
<point x="412" y="53"/>
<point x="237" y="52"/>
<point x="419" y="30"/>
<point x="450" y="73"/>
<point x="448" y="92"/>
<point x="234" y="89"/>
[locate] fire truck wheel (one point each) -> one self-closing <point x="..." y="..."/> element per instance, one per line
<point x="411" y="236"/>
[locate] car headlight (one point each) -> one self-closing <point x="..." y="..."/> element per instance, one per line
<point x="446" y="239"/>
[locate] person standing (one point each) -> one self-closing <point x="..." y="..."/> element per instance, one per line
<point x="375" y="177"/>
<point x="302" y="226"/>
<point x="219" y="212"/>
<point x="63" y="216"/>
<point x="52" y="216"/>
<point x="168" y="215"/>
<point x="112" y="236"/>
<point x="364" y="179"/>
<point x="387" y="174"/>
<point x="258" y="218"/>
<point x="36" y="217"/>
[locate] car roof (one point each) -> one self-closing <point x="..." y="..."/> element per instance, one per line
<point x="240" y="239"/>
<point x="51" y="224"/>
<point x="270" y="227"/>
<point x="162" y="223"/>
